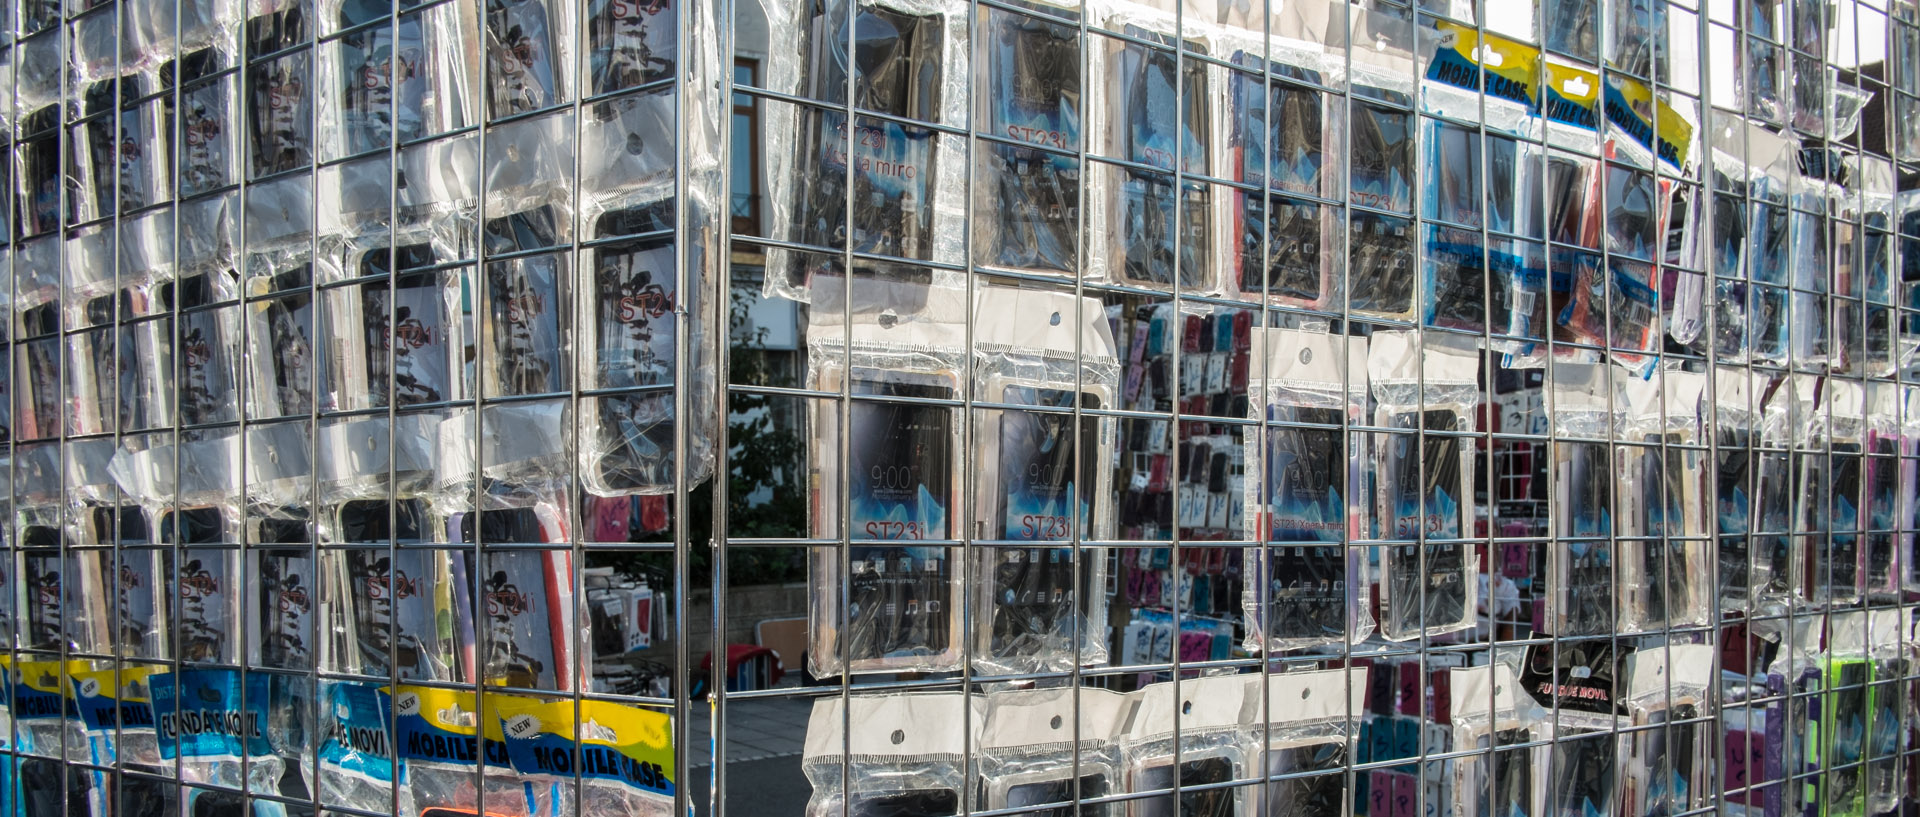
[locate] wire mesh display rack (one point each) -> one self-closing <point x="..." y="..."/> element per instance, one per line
<point x="926" y="407"/>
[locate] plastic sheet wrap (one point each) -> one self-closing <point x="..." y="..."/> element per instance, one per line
<point x="1042" y="607"/>
<point x="1205" y="718"/>
<point x="1311" y="723"/>
<point x="1667" y="769"/>
<point x="1027" y="752"/>
<point x="1313" y="587"/>
<point x="1425" y="389"/>
<point x="901" y="611"/>
<point x="903" y="753"/>
<point x="1492" y="717"/>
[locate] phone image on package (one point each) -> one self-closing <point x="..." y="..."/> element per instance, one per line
<point x="631" y="302"/>
<point x="1299" y="251"/>
<point x="1052" y="796"/>
<point x="1584" y="600"/>
<point x="1507" y="790"/>
<point x="900" y="461"/>
<point x="1030" y="197"/>
<point x="1319" y="794"/>
<point x="629" y="43"/>
<point x="1424" y="499"/>
<point x="523" y="326"/>
<point x="1305" y="472"/>
<point x="1306" y="562"/>
<point x="1042" y="496"/>
<point x="1582" y="781"/>
<point x="1424" y="475"/>
<point x="902" y="608"/>
<point x="1666" y="773"/>
<point x="1201" y="771"/>
<point x="1584" y="488"/>
<point x="419" y="336"/>
<point x="1834" y="567"/>
<point x="524" y="71"/>
<point x="1306" y="593"/>
<point x="900" y="603"/>
<point x="526" y="596"/>
<point x="1883" y="502"/>
<point x="1381" y="266"/>
<point x="284" y="596"/>
<point x="1459" y="293"/>
<point x="1382" y="157"/>
<point x="1843" y="735"/>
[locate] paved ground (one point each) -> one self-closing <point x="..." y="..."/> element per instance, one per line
<point x="773" y="786"/>
<point x="762" y="728"/>
<point x="764" y="740"/>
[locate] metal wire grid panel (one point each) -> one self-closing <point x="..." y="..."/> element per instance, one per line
<point x="360" y="345"/>
<point x="1288" y="424"/>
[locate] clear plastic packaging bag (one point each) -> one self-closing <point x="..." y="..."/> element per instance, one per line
<point x="1043" y="607"/>
<point x="1206" y="718"/>
<point x="1491" y="717"/>
<point x="903" y="753"/>
<point x="901" y="612"/>
<point x="1881" y="485"/>
<point x="1578" y="682"/>
<point x="1587" y="403"/>
<point x="1027" y="749"/>
<point x="1661" y="518"/>
<point x="1426" y="389"/>
<point x="1313" y="587"/>
<point x="1311" y="723"/>
<point x="1668" y="769"/>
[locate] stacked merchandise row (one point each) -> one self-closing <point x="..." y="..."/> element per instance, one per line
<point x="432" y="747"/>
<point x="1281" y="743"/>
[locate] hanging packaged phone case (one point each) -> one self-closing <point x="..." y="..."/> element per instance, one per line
<point x="1425" y="389"/>
<point x="1667" y="770"/>
<point x="905" y="754"/>
<point x="1311" y="588"/>
<point x="1042" y="605"/>
<point x="1029" y="200"/>
<point x="1154" y="231"/>
<point x="1491" y="718"/>
<point x="1212" y="746"/>
<point x="1028" y="757"/>
<point x="1311" y="725"/>
<point x="901" y="610"/>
